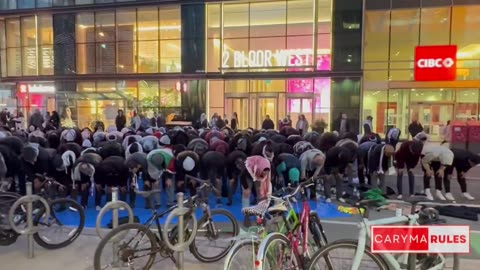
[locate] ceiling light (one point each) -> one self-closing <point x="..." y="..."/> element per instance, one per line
<point x="101" y="34"/>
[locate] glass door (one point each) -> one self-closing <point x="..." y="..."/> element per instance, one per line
<point x="240" y="106"/>
<point x="299" y="106"/>
<point x="267" y="106"/>
<point x="433" y="117"/>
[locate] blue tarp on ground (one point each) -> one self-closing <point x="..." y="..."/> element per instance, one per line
<point x="325" y="211"/>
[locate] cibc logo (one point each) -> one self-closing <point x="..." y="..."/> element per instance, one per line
<point x="435" y="63"/>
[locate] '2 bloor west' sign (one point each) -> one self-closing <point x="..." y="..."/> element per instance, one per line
<point x="436" y="63"/>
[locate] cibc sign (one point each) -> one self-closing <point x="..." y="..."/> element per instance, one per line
<point x="435" y="63"/>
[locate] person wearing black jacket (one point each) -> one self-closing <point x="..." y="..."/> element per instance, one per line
<point x="377" y="161"/>
<point x="120" y="120"/>
<point x="186" y="163"/>
<point x="112" y="172"/>
<point x="406" y="158"/>
<point x="35" y="160"/>
<point x="463" y="161"/>
<point x="268" y="123"/>
<point x="213" y="166"/>
<point x="336" y="162"/>
<point x="235" y="166"/>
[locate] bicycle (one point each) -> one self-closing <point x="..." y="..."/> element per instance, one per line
<point x="58" y="211"/>
<point x="127" y="256"/>
<point x="296" y="239"/>
<point x="274" y="218"/>
<point x="384" y="261"/>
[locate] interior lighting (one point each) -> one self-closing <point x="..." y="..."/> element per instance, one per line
<point x="101" y="34"/>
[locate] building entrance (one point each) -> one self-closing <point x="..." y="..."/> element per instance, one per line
<point x="298" y="105"/>
<point x="240" y="106"/>
<point x="433" y="117"/>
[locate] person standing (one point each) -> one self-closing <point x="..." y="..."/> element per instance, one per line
<point x="268" y="123"/>
<point x="55" y="120"/>
<point x="136" y="121"/>
<point x="36" y="119"/>
<point x="234" y="122"/>
<point x="302" y="125"/>
<point x="342" y="125"/>
<point x="67" y="121"/>
<point x="368" y="125"/>
<point x="414" y="128"/>
<point x="447" y="133"/>
<point x="120" y="120"/>
<point x="160" y="120"/>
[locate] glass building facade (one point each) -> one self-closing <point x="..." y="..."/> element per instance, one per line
<point x="256" y="58"/>
<point x="391" y="95"/>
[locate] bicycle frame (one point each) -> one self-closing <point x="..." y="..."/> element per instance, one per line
<point x="364" y="236"/>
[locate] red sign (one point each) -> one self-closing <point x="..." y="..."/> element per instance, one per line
<point x="435" y="63"/>
<point x="420" y="239"/>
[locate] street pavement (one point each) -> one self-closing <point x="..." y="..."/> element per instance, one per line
<point x="79" y="255"/>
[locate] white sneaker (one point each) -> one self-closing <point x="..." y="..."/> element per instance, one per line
<point x="440" y="196"/>
<point x="341" y="200"/>
<point x="399" y="197"/>
<point x="98" y="208"/>
<point x="328" y="200"/>
<point x="449" y="196"/>
<point x="467" y="196"/>
<point x="428" y="194"/>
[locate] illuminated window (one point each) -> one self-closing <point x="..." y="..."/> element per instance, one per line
<point x="268" y="19"/>
<point x="404" y="34"/>
<point x="148" y="56"/>
<point x="170" y="23"/>
<point x="148" y="95"/>
<point x="3" y="50"/>
<point x="435" y="26"/>
<point x="377" y="30"/>
<point x="29" y="49"/>
<point x="170" y="55"/>
<point x="298" y="21"/>
<point x="464" y="32"/>
<point x="147" y="23"/>
<point x="235" y="20"/>
<point x="169" y="95"/>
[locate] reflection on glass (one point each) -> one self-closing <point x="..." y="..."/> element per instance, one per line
<point x="297" y="21"/>
<point x="466" y="106"/>
<point x="433" y="118"/>
<point x="213" y="20"/>
<point x="85" y="30"/>
<point x="85" y="86"/>
<point x="148" y="56"/>
<point x="404" y="34"/>
<point x="126" y="23"/>
<point x="170" y="23"/>
<point x="14" y="62"/>
<point x="435" y="23"/>
<point x="377" y="30"/>
<point x="105" y="53"/>
<point x="268" y="19"/>
<point x="235" y="20"/>
<point x="148" y="94"/>
<point x="126" y="57"/>
<point x="104" y="26"/>
<point x="46" y="59"/>
<point x="29" y="32"/>
<point x="147" y="24"/>
<point x="170" y="56"/>
<point x="45" y="29"/>
<point x="169" y="96"/>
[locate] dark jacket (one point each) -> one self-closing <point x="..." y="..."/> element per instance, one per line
<point x="414" y="128"/>
<point x="268" y="124"/>
<point x="36" y="120"/>
<point x="234" y="124"/>
<point x="120" y="122"/>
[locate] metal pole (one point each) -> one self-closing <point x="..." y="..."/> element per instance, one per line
<point x="180" y="231"/>
<point x="115" y="225"/>
<point x="30" y="221"/>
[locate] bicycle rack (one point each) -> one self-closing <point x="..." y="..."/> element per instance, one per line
<point x="29" y="199"/>
<point x="114" y="205"/>
<point x="182" y="245"/>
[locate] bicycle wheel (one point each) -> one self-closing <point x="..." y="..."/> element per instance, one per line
<point x="213" y="232"/>
<point x="341" y="253"/>
<point x="65" y="224"/>
<point x="242" y="256"/>
<point x="275" y="252"/>
<point x="127" y="254"/>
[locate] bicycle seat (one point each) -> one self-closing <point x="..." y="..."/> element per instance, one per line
<point x="148" y="193"/>
<point x="417" y="199"/>
<point x="278" y="208"/>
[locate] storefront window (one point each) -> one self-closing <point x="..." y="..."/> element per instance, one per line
<point x="262" y="86"/>
<point x="269" y="36"/>
<point x="170" y="56"/>
<point x="25" y="4"/>
<point x="170" y="23"/>
<point x="13" y="47"/>
<point x="466" y="106"/>
<point x="29" y="49"/>
<point x="268" y="19"/>
<point x="169" y="95"/>
<point x="148" y="56"/>
<point x="148" y="97"/>
<point x="404" y="34"/>
<point x="435" y="26"/>
<point x="3" y="50"/>
<point x="377" y="36"/>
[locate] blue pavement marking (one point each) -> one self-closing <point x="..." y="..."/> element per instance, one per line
<point x="325" y="211"/>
